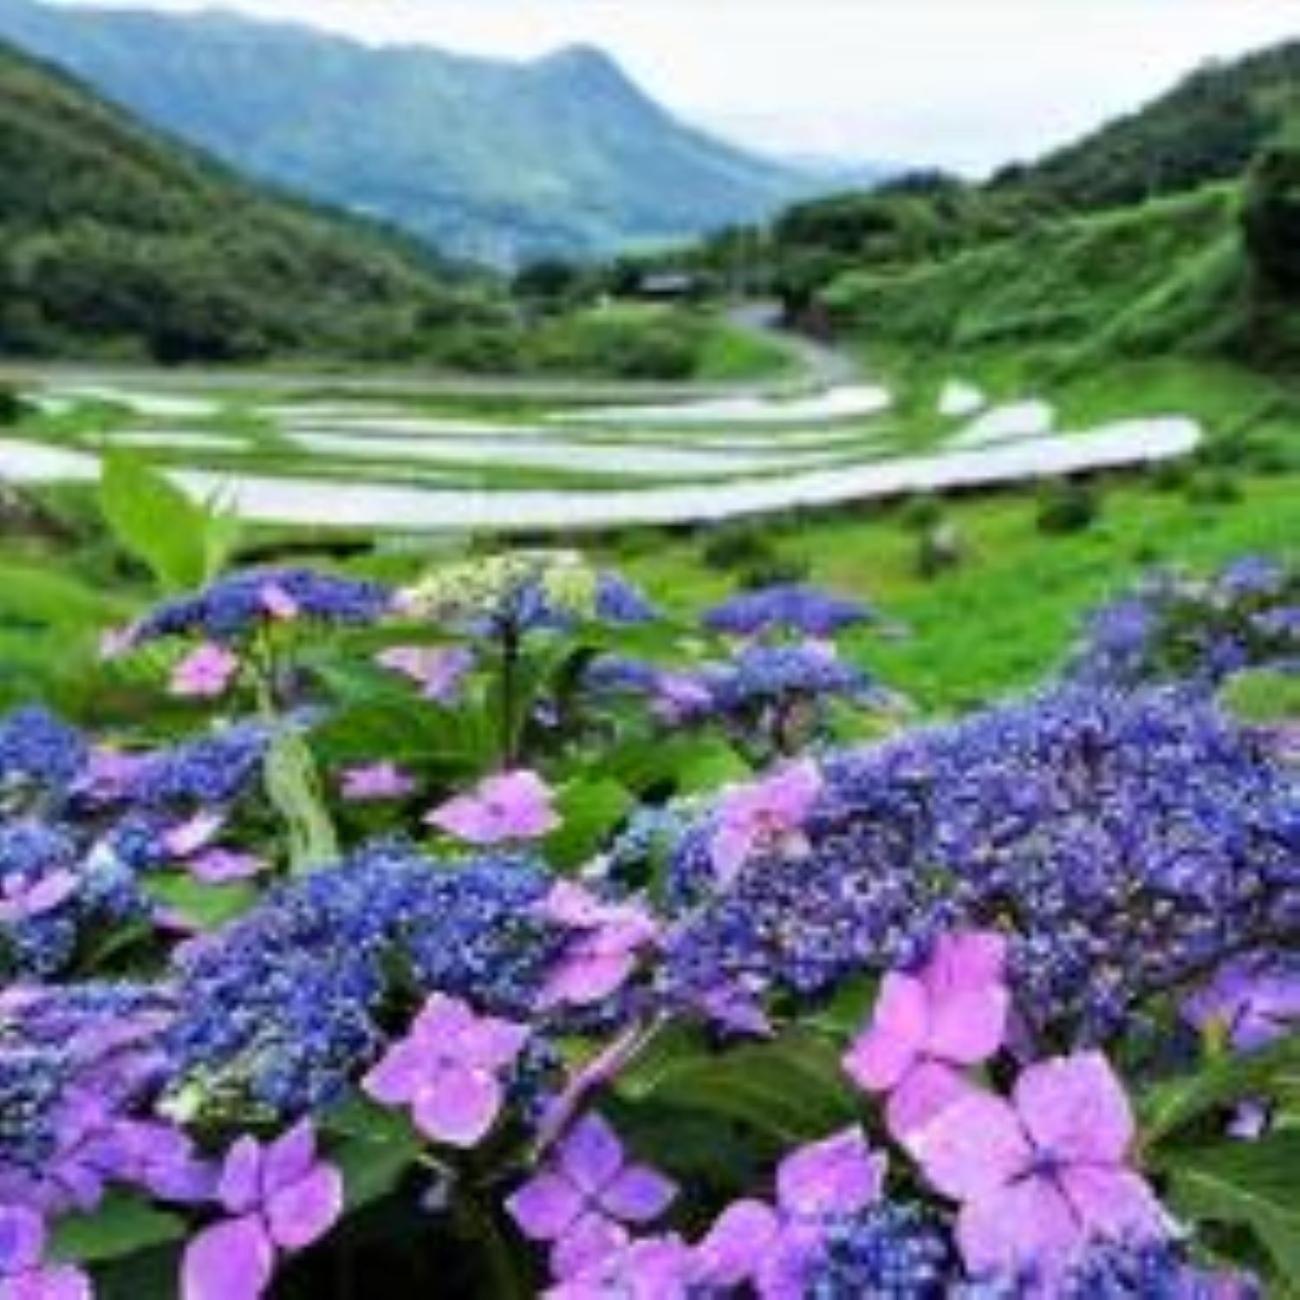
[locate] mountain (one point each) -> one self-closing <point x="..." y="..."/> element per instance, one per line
<point x="115" y="238"/>
<point x="485" y="159"/>
<point x="1207" y="128"/>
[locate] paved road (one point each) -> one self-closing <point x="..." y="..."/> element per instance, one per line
<point x="824" y="366"/>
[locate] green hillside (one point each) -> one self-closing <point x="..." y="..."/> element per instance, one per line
<point x="113" y="238"/>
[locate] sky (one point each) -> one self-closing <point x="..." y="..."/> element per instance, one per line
<point x="962" y="84"/>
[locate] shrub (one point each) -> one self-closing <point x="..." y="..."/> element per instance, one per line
<point x="1068" y="507"/>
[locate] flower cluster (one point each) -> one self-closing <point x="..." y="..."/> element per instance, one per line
<point x="915" y="987"/>
<point x="1196" y="631"/>
<point x="235" y="606"/>
<point x="285" y="1006"/>
<point x="790" y="608"/>
<point x="1129" y="842"/>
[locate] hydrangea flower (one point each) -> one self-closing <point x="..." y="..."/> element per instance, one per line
<point x="583" y="1200"/>
<point x="221" y="866"/>
<point x="501" y="808"/>
<point x="448" y="1070"/>
<point x="375" y="782"/>
<point x="281" y="1197"/>
<point x="36" y="748"/>
<point x="23" y="1275"/>
<point x="790" y="607"/>
<point x="888" y="1251"/>
<point x="1040" y="1175"/>
<point x="652" y="1268"/>
<point x="927" y="1028"/>
<point x="764" y="817"/>
<point x="1254" y="999"/>
<point x="205" y="673"/>
<point x="774" y="1248"/>
<point x="603" y="952"/>
<point x="438" y="671"/>
<point x="233" y="606"/>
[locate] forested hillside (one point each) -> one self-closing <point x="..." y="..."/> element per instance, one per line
<point x="115" y="238"/>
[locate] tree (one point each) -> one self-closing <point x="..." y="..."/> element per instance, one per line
<point x="1271" y="218"/>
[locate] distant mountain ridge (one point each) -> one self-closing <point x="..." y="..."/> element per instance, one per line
<point x="491" y="160"/>
<point x="116" y="239"/>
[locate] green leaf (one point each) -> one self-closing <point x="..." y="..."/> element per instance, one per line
<point x="693" y="764"/>
<point x="155" y="521"/>
<point x="121" y="1226"/>
<point x="791" y="1089"/>
<point x="372" y="1146"/>
<point x="1253" y="1184"/>
<point x="590" y="810"/>
<point x="294" y="789"/>
<point x="1170" y="1106"/>
<point x="207" y="906"/>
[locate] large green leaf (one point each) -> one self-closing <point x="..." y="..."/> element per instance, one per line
<point x="206" y="906"/>
<point x="155" y="521"/>
<point x="372" y="1147"/>
<point x="1172" y="1105"/>
<point x="590" y="809"/>
<point x="120" y="1226"/>
<point x="1252" y="1184"/>
<point x="791" y="1089"/>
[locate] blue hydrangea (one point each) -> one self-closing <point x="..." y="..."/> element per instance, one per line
<point x="210" y="770"/>
<point x="1175" y="628"/>
<point x="886" y="1252"/>
<point x="285" y="1005"/>
<point x="774" y="675"/>
<point x="36" y="748"/>
<point x="234" y="606"/>
<point x="1127" y="842"/>
<point x="788" y="607"/>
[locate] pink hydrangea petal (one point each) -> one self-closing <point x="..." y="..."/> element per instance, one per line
<point x="57" y="1282"/>
<point x="398" y="1075"/>
<point x="591" y="1154"/>
<point x="305" y="1211"/>
<point x="839" y="1174"/>
<point x="490" y="1044"/>
<point x="966" y="960"/>
<point x="729" y="850"/>
<point x="638" y="1194"/>
<point x="890" y="1045"/>
<point x="1114" y="1202"/>
<point x="739" y="1238"/>
<point x="1024" y="1224"/>
<point x="239" y="1186"/>
<point x="922" y="1096"/>
<point x="47" y="893"/>
<point x="968" y="1027"/>
<point x="545" y="1207"/>
<point x="585" y="977"/>
<point x="459" y="1106"/>
<point x="467" y="819"/>
<point x="590" y="1240"/>
<point x="1075" y="1107"/>
<point x="975" y="1146"/>
<point x="228" y="1261"/>
<point x="441" y="1022"/>
<point x="289" y="1157"/>
<point x="22" y="1239"/>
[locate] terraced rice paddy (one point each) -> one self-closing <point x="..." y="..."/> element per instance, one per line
<point x="430" y="459"/>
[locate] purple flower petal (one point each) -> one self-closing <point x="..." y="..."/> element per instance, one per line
<point x="1076" y="1108"/>
<point x="838" y="1175"/>
<point x="55" y="1282"/>
<point x="306" y="1210"/>
<point x="883" y="1054"/>
<point x="22" y="1239"/>
<point x="233" y="1260"/>
<point x="589" y="1241"/>
<point x="458" y="1106"/>
<point x="1023" y="1225"/>
<point x="1114" y="1203"/>
<point x="638" y="1194"/>
<point x="545" y="1207"/>
<point x="289" y="1158"/>
<point x="974" y="1147"/>
<point x="398" y="1076"/>
<point x="239" y="1187"/>
<point x="738" y="1240"/>
<point x="923" y="1095"/>
<point x="591" y="1154"/>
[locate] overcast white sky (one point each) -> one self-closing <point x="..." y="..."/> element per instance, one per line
<point x="962" y="83"/>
